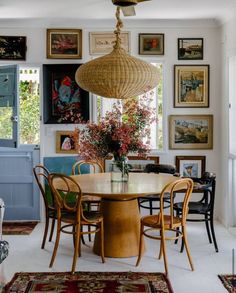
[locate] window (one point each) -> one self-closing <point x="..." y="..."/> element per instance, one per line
<point x="105" y="104"/>
<point x="29" y="109"/>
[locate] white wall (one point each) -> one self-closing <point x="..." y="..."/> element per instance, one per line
<point x="36" y="54"/>
<point x="228" y="44"/>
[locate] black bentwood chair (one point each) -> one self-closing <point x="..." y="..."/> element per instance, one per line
<point x="204" y="207"/>
<point x="148" y="202"/>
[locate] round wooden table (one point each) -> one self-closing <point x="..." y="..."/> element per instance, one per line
<point x="119" y="206"/>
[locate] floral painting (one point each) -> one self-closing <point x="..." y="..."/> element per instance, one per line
<point x="12" y="48"/>
<point x="65" y="101"/>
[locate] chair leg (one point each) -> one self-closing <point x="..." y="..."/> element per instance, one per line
<point x="207" y="228"/>
<point x="187" y="247"/>
<point x="56" y="242"/>
<point x="102" y="241"/>
<point x="141" y="236"/>
<point x="161" y="248"/>
<point x="163" y="244"/>
<point x="45" y="231"/>
<point x="89" y="235"/>
<point x="52" y="229"/>
<point x="76" y="229"/>
<point x="213" y="233"/>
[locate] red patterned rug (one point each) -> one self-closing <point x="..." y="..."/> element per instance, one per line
<point x="229" y="281"/>
<point x="18" y="228"/>
<point x="89" y="282"/>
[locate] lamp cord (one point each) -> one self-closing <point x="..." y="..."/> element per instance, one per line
<point x="117" y="32"/>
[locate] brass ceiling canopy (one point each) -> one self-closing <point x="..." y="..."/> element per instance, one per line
<point x="118" y="74"/>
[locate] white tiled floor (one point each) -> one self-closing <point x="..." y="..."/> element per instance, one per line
<point x="26" y="255"/>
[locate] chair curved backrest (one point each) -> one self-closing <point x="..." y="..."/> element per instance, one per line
<point x="185" y="185"/>
<point x="41" y="175"/>
<point x="95" y="166"/>
<point x="67" y="193"/>
<point x="160" y="168"/>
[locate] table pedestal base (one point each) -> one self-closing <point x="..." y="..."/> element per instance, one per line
<point x="121" y="228"/>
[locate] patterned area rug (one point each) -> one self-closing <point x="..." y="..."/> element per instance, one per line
<point x="229" y="281"/>
<point x="89" y="282"/>
<point x="18" y="228"/>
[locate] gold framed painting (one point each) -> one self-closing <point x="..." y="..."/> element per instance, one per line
<point x="190" y="132"/>
<point x="191" y="86"/>
<point x="64" y="43"/>
<point x="151" y="44"/>
<point x="190" y="166"/>
<point x="65" y="142"/>
<point x="103" y="42"/>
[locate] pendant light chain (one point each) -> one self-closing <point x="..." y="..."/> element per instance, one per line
<point x="117" y="32"/>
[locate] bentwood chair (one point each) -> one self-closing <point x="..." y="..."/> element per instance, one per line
<point x="159" y="226"/>
<point x="71" y="216"/>
<point x="89" y="202"/>
<point x="41" y="175"/>
<point x="149" y="201"/>
<point x="203" y="207"/>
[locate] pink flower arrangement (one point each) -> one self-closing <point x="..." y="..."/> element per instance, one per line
<point x="124" y="129"/>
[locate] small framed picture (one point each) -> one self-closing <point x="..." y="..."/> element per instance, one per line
<point x="65" y="142"/>
<point x="103" y="42"/>
<point x="64" y="43"/>
<point x="190" y="132"/>
<point x="190" y="166"/>
<point x="136" y="163"/>
<point x="190" y="48"/>
<point x="12" y="48"/>
<point x="191" y="84"/>
<point x="151" y="44"/>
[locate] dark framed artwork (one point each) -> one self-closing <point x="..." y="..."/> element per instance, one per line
<point x="190" y="48"/>
<point x="151" y="44"/>
<point x="190" y="132"/>
<point x="65" y="142"/>
<point x="64" y="101"/>
<point x="64" y="43"/>
<point x="191" y="86"/>
<point x="12" y="48"/>
<point x="190" y="166"/>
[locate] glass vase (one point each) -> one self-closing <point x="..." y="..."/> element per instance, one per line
<point x="119" y="170"/>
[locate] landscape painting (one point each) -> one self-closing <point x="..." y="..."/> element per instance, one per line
<point x="190" y="48"/>
<point x="191" y="131"/>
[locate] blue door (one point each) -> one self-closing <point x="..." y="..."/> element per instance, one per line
<point x="17" y="185"/>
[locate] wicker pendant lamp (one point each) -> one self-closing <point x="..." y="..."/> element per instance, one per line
<point x="118" y="74"/>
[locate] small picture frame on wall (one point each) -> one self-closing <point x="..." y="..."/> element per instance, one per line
<point x="102" y="42"/>
<point x="190" y="132"/>
<point x="12" y="48"/>
<point x="190" y="48"/>
<point x="190" y="166"/>
<point x="65" y="142"/>
<point x="64" y="43"/>
<point x="191" y="86"/>
<point x="151" y="44"/>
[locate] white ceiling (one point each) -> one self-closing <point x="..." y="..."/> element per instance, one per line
<point x="220" y="10"/>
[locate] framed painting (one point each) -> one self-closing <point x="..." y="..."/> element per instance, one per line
<point x="12" y="48"/>
<point x="64" y="43"/>
<point x="190" y="48"/>
<point x="190" y="132"/>
<point x="103" y="42"/>
<point x="63" y="100"/>
<point x="191" y="86"/>
<point x="151" y="44"/>
<point x="65" y="142"/>
<point x="136" y="163"/>
<point x="190" y="166"/>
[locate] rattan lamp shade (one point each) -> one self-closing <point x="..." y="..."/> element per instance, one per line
<point x="117" y="75"/>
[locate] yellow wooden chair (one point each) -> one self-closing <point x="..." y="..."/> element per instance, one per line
<point x="155" y="226"/>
